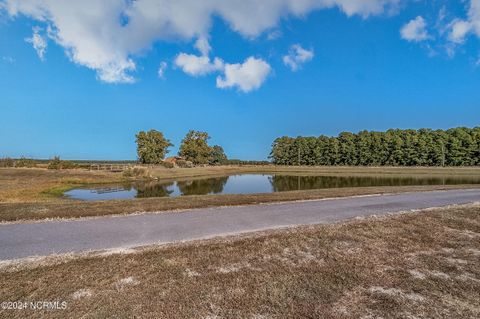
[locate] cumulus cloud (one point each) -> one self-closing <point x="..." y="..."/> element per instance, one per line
<point x="474" y="15"/>
<point x="247" y="76"/>
<point x="450" y="31"/>
<point x="415" y="30"/>
<point x="297" y="56"/>
<point x="197" y="65"/>
<point x="38" y="42"/>
<point x="460" y="28"/>
<point x="106" y="35"/>
<point x="161" y="69"/>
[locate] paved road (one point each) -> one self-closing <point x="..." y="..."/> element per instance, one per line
<point x="39" y="239"/>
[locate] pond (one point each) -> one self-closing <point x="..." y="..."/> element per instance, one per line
<point x="250" y="184"/>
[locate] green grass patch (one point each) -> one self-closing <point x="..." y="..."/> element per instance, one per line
<point x="58" y="191"/>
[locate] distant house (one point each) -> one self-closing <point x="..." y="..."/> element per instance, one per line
<point x="173" y="160"/>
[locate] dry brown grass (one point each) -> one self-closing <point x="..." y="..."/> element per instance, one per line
<point x="36" y="184"/>
<point x="416" y="265"/>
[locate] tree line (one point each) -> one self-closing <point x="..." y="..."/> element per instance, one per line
<point x="152" y="147"/>
<point x="424" y="147"/>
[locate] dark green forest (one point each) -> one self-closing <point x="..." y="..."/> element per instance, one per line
<point x="424" y="147"/>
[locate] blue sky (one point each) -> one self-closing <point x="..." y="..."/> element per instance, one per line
<point x="82" y="87"/>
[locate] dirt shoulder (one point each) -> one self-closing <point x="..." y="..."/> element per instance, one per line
<point x="424" y="264"/>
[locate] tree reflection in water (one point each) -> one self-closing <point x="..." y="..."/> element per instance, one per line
<point x="153" y="189"/>
<point x="203" y="186"/>
<point x="248" y="183"/>
<point x="282" y="183"/>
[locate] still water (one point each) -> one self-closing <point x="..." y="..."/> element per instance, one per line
<point x="249" y="184"/>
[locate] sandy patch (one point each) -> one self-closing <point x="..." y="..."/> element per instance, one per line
<point x="417" y="274"/>
<point x="82" y="293"/>
<point x="125" y="282"/>
<point x="191" y="273"/>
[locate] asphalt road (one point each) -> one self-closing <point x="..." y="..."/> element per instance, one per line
<point x="56" y="237"/>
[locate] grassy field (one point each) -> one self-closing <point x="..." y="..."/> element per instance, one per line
<point x="414" y="265"/>
<point x="33" y="194"/>
<point x="20" y="185"/>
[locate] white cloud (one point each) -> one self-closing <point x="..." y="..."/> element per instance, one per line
<point x="459" y="29"/>
<point x="246" y="77"/>
<point x="297" y="56"/>
<point x="450" y="32"/>
<point x="106" y="35"/>
<point x="117" y="71"/>
<point x="161" y="69"/>
<point x="474" y="16"/>
<point x="364" y="8"/>
<point x="415" y="30"/>
<point x="198" y="65"/>
<point x="195" y="65"/>
<point x="203" y="46"/>
<point x="38" y="42"/>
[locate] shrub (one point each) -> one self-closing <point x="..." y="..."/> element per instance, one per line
<point x="25" y="162"/>
<point x="7" y="162"/>
<point x="57" y="163"/>
<point x="136" y="172"/>
<point x="140" y="171"/>
<point x="168" y="165"/>
<point x="68" y="165"/>
<point x="240" y="162"/>
<point x="184" y="164"/>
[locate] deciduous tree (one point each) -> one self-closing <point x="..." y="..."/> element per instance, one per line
<point x="195" y="147"/>
<point x="217" y="155"/>
<point x="152" y="147"/>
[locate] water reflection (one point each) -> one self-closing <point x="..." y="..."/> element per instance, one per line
<point x="282" y="183"/>
<point x="153" y="189"/>
<point x="203" y="186"/>
<point x="251" y="183"/>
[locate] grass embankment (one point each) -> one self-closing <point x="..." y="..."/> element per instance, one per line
<point x="416" y="265"/>
<point x="33" y="194"/>
<point x="41" y="185"/>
